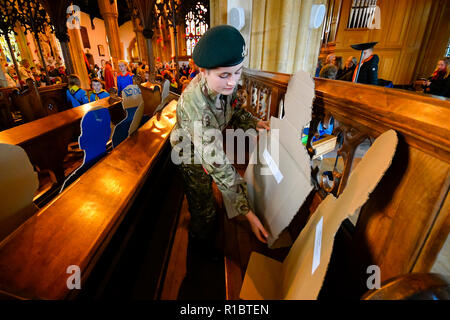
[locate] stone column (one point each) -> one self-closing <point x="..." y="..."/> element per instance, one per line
<point x="110" y="15"/>
<point x="181" y="39"/>
<point x="281" y="39"/>
<point x="140" y="40"/>
<point x="218" y="11"/>
<point x="76" y="52"/>
<point x="158" y="51"/>
<point x="172" y="44"/>
<point x="64" y="42"/>
<point x="148" y="34"/>
<point x="308" y="40"/>
<point x="23" y="45"/>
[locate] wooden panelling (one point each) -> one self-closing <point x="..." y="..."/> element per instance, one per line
<point x="403" y="26"/>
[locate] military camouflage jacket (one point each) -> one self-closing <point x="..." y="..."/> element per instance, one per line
<point x="199" y="104"/>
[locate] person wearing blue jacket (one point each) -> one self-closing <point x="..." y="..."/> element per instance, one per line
<point x="97" y="90"/>
<point x="75" y="95"/>
<point x="124" y="78"/>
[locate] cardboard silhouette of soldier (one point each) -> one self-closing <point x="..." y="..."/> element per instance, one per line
<point x="134" y="108"/>
<point x="95" y="133"/>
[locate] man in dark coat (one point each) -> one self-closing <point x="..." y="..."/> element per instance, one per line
<point x="367" y="70"/>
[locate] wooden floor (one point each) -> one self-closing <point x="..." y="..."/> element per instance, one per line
<point x="190" y="276"/>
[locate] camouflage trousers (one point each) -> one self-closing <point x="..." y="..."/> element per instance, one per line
<point x="199" y="193"/>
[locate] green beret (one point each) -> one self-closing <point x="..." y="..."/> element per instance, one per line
<point x="220" y="46"/>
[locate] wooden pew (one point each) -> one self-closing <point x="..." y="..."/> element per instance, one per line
<point x="45" y="140"/>
<point x="33" y="102"/>
<point x="54" y="98"/>
<point x="405" y="222"/>
<point x="79" y="224"/>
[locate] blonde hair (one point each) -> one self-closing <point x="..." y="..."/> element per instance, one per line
<point x="125" y="63"/>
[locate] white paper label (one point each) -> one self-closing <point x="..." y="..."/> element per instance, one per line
<point x="272" y="166"/>
<point x="317" y="245"/>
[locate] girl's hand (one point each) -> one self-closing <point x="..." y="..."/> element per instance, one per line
<point x="257" y="227"/>
<point x="263" y="125"/>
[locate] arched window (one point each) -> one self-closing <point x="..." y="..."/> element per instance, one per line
<point x="196" y="26"/>
<point x="5" y="49"/>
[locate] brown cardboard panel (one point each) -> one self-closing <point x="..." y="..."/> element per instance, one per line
<point x="277" y="190"/>
<point x="18" y="184"/>
<point x="301" y="278"/>
<point x="136" y="119"/>
<point x="131" y="96"/>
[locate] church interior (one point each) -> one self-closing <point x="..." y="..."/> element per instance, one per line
<point x="92" y="205"/>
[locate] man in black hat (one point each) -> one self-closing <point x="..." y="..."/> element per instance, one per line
<point x="367" y="70"/>
<point x="209" y="104"/>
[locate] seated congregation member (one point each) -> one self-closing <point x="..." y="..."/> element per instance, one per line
<point x="137" y="80"/>
<point x="367" y="72"/>
<point x="11" y="77"/>
<point x="349" y="68"/>
<point x="330" y="64"/>
<point x="318" y="67"/>
<point x="211" y="100"/>
<point x="146" y="76"/>
<point x="75" y="95"/>
<point x="329" y="71"/>
<point x="113" y="93"/>
<point x="439" y="82"/>
<point x="193" y="69"/>
<point x="339" y="65"/>
<point x="124" y="78"/>
<point x="25" y="70"/>
<point x="97" y="90"/>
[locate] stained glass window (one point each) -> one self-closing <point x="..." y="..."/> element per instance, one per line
<point x="5" y="49"/>
<point x="195" y="26"/>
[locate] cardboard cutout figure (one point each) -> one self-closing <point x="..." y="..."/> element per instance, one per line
<point x="134" y="108"/>
<point x="131" y="96"/>
<point x="95" y="133"/>
<point x="281" y="180"/>
<point x="300" y="275"/>
<point x="164" y="96"/>
<point x="18" y="184"/>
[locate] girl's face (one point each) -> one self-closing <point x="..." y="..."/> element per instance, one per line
<point x="122" y="67"/>
<point x="223" y="80"/>
<point x="97" y="86"/>
<point x="441" y="65"/>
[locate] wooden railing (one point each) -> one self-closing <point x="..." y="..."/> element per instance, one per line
<point x="78" y="226"/>
<point x="405" y="222"/>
